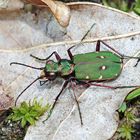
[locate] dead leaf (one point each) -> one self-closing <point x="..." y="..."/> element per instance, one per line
<point x="10" y="5"/>
<point x="20" y="36"/>
<point x="5" y="100"/>
<point x="58" y="8"/>
<point x="36" y="2"/>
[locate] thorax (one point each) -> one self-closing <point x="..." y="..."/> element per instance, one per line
<point x="64" y="67"/>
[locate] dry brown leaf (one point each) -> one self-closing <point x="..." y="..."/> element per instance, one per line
<point x="36" y="2"/>
<point x="20" y="36"/>
<point x="58" y="8"/>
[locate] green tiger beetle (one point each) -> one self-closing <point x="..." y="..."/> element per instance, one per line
<point x="85" y="69"/>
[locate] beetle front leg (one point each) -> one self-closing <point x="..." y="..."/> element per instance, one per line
<point x="45" y="59"/>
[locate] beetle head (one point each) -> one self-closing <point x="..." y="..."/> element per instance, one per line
<point x="51" y="70"/>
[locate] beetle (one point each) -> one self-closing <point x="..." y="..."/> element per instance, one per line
<point x="86" y="69"/>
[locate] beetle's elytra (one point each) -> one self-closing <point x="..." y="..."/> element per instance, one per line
<point x="97" y="66"/>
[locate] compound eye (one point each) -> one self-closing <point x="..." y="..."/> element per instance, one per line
<point x="51" y="75"/>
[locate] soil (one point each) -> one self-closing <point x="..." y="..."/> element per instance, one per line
<point x="10" y="130"/>
<point x="136" y="134"/>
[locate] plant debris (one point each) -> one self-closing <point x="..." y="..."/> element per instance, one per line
<point x="15" y="121"/>
<point x="129" y="113"/>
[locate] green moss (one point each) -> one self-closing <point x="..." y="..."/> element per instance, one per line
<point x="127" y="112"/>
<point x="28" y="113"/>
<point x="124" y="5"/>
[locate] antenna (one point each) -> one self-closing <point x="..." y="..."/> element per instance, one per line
<point x="15" y="63"/>
<point x="28" y="87"/>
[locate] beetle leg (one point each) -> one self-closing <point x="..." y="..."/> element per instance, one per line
<point x="80" y="114"/>
<point x="55" y="53"/>
<point x="89" y="83"/>
<point x="69" y="52"/>
<point x="98" y="47"/>
<point x="121" y="55"/>
<point x="112" y="87"/>
<point x="101" y="85"/>
<point x="56" y="99"/>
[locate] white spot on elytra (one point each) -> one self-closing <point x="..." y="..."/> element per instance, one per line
<point x="116" y="74"/>
<point x="100" y="77"/>
<point x="87" y="77"/>
<point x="103" y="67"/>
<point x="102" y="57"/>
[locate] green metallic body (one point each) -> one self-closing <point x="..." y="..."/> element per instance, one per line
<point x="94" y="66"/>
<point x="81" y="69"/>
<point x="64" y="67"/>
